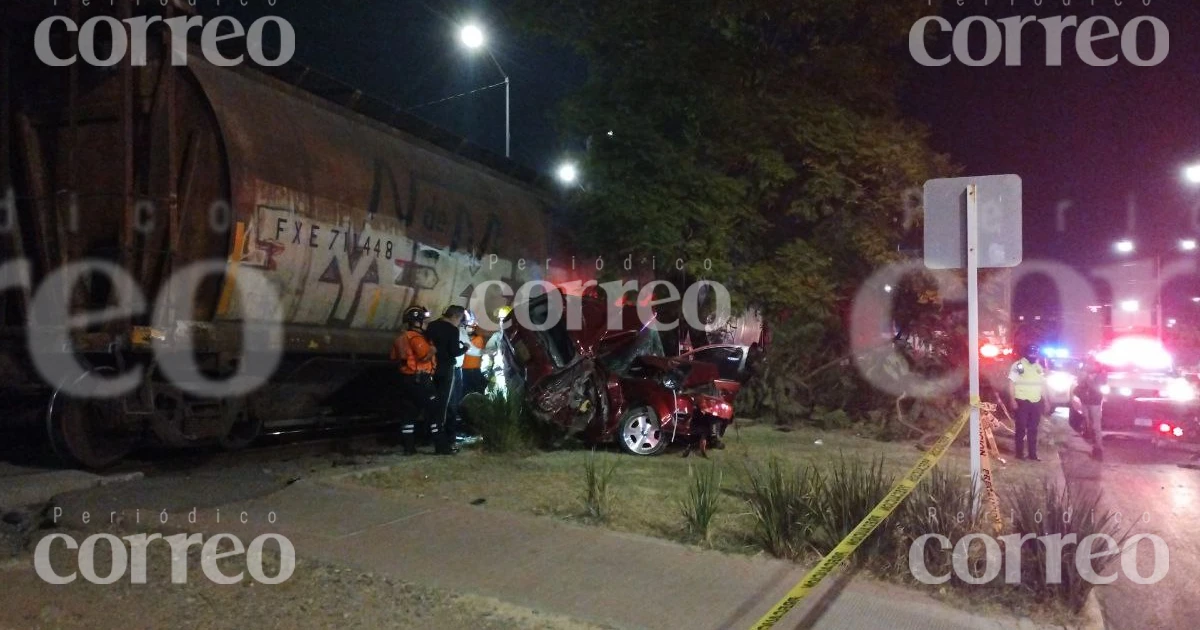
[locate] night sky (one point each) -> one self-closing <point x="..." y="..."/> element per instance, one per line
<point x="1098" y="138"/>
<point x="407" y="52"/>
<point x="1092" y="136"/>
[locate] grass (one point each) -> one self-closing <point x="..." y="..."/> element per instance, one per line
<point x="597" y="486"/>
<point x="500" y="420"/>
<point x="783" y="501"/>
<point x="646" y="500"/>
<point x="702" y="501"/>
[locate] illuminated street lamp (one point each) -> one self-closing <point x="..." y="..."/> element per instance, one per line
<point x="1186" y="245"/>
<point x="567" y="173"/>
<point x="1192" y="174"/>
<point x="473" y="38"/>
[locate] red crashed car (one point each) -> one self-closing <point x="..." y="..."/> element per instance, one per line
<point x="612" y="382"/>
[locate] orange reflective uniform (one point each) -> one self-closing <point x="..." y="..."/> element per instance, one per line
<point x="474" y="358"/>
<point x="414" y="353"/>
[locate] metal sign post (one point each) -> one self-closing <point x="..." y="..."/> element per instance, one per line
<point x="973" y="223"/>
<point x="973" y="335"/>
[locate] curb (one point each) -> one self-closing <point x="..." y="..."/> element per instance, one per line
<point x="1091" y="615"/>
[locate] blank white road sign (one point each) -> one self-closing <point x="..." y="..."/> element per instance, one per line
<point x="999" y="206"/>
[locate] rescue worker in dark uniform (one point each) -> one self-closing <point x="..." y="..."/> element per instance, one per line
<point x="417" y="361"/>
<point x="443" y="333"/>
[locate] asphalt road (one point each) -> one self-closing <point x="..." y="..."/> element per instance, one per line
<point x="1156" y="493"/>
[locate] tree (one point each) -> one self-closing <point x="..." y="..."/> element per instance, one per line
<point x="761" y="136"/>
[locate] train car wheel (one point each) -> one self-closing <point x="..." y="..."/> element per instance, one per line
<point x="88" y="433"/>
<point x="245" y="429"/>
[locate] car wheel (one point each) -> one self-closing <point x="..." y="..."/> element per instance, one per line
<point x="640" y="432"/>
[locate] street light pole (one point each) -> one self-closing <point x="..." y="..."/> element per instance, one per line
<point x="507" y="134"/>
<point x="1158" y="306"/>
<point x="507" y="84"/>
<point x="473" y="37"/>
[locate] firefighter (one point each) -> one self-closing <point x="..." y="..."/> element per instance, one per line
<point x="473" y="379"/>
<point x="417" y="361"/>
<point x="1028" y="383"/>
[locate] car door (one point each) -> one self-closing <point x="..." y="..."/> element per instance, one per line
<point x="730" y="360"/>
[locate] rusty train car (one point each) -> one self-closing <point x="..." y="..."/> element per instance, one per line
<point x="348" y="210"/>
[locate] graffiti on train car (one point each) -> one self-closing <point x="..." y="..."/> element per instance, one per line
<point x="361" y="274"/>
<point x="445" y="211"/>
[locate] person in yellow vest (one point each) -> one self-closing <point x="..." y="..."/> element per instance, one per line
<point x="417" y="361"/>
<point x="473" y="379"/>
<point x="1028" y="383"/>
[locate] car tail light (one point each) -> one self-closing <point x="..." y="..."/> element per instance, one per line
<point x="1164" y="428"/>
<point x="714" y="406"/>
<point x="1177" y="432"/>
<point x="989" y="351"/>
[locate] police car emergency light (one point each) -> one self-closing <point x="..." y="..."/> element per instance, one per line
<point x="1056" y="353"/>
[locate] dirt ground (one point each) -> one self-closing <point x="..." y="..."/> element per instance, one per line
<point x="316" y="596"/>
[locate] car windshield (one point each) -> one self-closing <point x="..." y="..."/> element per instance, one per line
<point x="647" y="343"/>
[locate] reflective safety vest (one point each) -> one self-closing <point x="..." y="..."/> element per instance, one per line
<point x="474" y="358"/>
<point x="1028" y="380"/>
<point x="414" y="353"/>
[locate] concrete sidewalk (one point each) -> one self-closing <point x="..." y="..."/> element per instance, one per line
<point x="588" y="573"/>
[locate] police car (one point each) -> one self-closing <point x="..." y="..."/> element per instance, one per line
<point x="1062" y="373"/>
<point x="1144" y="395"/>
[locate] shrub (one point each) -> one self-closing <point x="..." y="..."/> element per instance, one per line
<point x="597" y="486"/>
<point x="934" y="507"/>
<point x="702" y="501"/>
<point x="1049" y="510"/>
<point x="847" y="495"/>
<point x="782" y="501"/>
<point x="501" y="421"/>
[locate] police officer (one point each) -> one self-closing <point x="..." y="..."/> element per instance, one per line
<point x="1028" y="381"/>
<point x="417" y="361"/>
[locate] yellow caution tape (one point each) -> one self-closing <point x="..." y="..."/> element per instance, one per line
<point x="985" y="468"/>
<point x="900" y="491"/>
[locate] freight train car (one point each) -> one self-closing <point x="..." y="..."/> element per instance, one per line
<point x="228" y="199"/>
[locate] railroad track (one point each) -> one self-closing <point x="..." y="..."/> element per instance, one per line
<point x="347" y="435"/>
